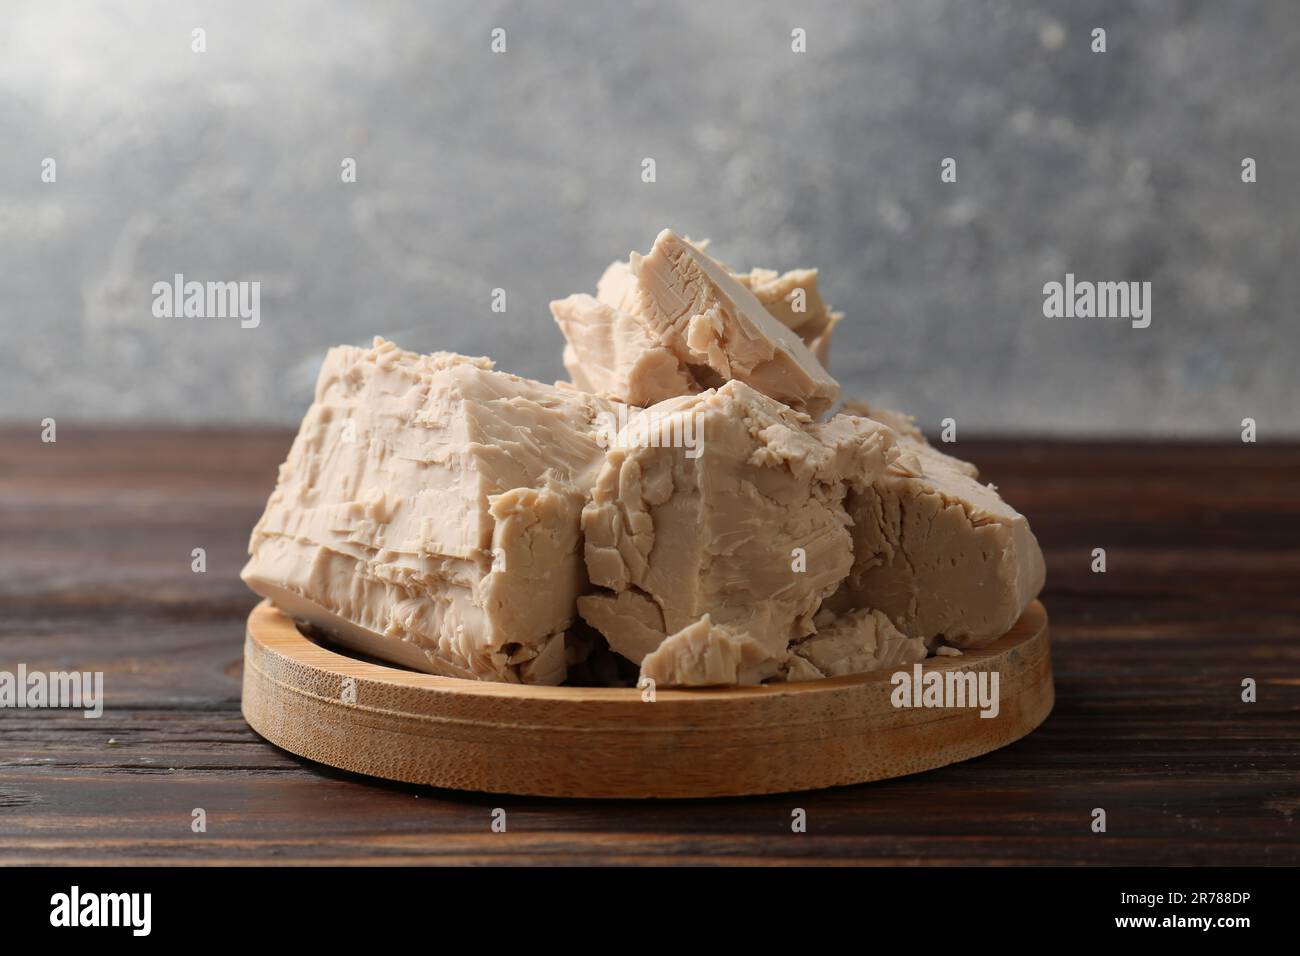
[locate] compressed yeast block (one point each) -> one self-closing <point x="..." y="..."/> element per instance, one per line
<point x="936" y="550"/>
<point x="793" y="299"/>
<point x="429" y="514"/>
<point x="726" y="504"/>
<point x="677" y="306"/>
<point x="859" y="641"/>
<point x="612" y="353"/>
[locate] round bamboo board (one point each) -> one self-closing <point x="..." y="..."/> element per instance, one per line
<point x="594" y="742"/>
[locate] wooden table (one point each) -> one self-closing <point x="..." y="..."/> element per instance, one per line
<point x="1202" y="589"/>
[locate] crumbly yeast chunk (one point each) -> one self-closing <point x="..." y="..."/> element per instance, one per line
<point x="940" y="553"/>
<point x="429" y="514"/>
<point x="726" y="504"/>
<point x="676" y="301"/>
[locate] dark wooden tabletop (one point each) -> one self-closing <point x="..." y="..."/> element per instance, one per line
<point x="1202" y="590"/>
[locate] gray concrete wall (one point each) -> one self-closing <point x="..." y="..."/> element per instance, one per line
<point x="522" y="170"/>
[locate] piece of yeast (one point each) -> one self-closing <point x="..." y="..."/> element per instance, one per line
<point x="429" y="514"/>
<point x="856" y="642"/>
<point x="610" y="353"/>
<point x="792" y="298"/>
<point x="910" y="437"/>
<point x="704" y="654"/>
<point x="729" y="504"/>
<point x="940" y="553"/>
<point x="680" y="300"/>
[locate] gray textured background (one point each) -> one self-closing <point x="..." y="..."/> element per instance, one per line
<point x="522" y="171"/>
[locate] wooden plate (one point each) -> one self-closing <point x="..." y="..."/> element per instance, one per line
<point x="594" y="742"/>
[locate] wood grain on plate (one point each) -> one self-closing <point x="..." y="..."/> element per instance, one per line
<point x="360" y="715"/>
<point x="1201" y="591"/>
